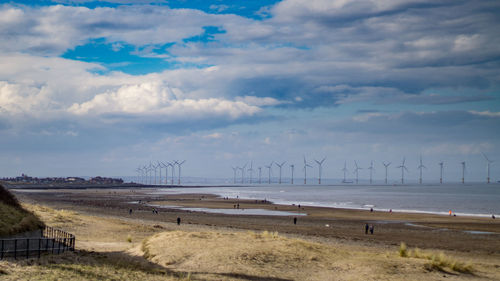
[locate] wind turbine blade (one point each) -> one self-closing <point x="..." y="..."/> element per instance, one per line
<point x="484" y="155"/>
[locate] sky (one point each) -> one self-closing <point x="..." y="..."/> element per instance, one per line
<point x="93" y="88"/>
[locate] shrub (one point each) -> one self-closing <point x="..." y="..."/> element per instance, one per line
<point x="403" y="251"/>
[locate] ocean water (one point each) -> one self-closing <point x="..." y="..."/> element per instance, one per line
<point x="462" y="199"/>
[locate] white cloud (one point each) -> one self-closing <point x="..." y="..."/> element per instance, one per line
<point x="485" y="113"/>
<point x="258" y="101"/>
<point x="152" y="98"/>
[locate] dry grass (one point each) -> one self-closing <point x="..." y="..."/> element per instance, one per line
<point x="440" y="262"/>
<point x="269" y="256"/>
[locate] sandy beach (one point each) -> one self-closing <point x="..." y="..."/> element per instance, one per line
<point x="426" y="231"/>
<point x="113" y="243"/>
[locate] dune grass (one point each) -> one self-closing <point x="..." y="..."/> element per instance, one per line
<point x="440" y="261"/>
<point x="13" y="217"/>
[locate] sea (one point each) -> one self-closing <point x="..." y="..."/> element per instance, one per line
<point x="473" y="199"/>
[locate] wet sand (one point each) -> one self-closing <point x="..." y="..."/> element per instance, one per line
<point x="426" y="231"/>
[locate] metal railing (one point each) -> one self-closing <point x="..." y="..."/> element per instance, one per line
<point x="52" y="240"/>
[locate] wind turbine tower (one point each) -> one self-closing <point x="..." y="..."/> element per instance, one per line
<point x="166" y="172"/>
<point x="260" y="174"/>
<point x="487" y="167"/>
<point x="172" y="165"/>
<point x="234" y="173"/>
<point x="441" y="164"/>
<point x="269" y="169"/>
<point x="280" y="165"/>
<point x="403" y="168"/>
<point x="420" y="167"/>
<point x="305" y="170"/>
<point x="251" y="171"/>
<point x="386" y="165"/>
<point x="463" y="172"/>
<point x="159" y="166"/>
<point x="150" y="168"/>
<point x="179" y="164"/>
<point x="371" y="171"/>
<point x="320" y="165"/>
<point x="345" y="171"/>
<point x="243" y="172"/>
<point x="293" y="167"/>
<point x="356" y="170"/>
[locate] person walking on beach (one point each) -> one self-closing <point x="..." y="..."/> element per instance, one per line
<point x="295" y="220"/>
<point x="178" y="221"/>
<point x="371" y="229"/>
<point x="130" y="211"/>
<point x="366" y="228"/>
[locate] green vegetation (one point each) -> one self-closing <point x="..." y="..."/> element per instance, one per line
<point x="13" y="217"/>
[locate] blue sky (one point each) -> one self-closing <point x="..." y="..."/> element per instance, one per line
<point x="100" y="87"/>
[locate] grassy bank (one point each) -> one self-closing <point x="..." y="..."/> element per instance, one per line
<point x="13" y="217"/>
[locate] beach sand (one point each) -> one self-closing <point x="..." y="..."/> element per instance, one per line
<point x="426" y="231"/>
<point x="326" y="244"/>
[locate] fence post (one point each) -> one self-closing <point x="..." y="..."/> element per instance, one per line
<point x="39" y="246"/>
<point x="1" y="253"/>
<point x="15" y="249"/>
<point x="27" y="248"/>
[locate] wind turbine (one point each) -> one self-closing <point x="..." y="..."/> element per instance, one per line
<point x="138" y="174"/>
<point x="173" y="172"/>
<point x="280" y="165"/>
<point x="145" y="169"/>
<point x="260" y="173"/>
<point x="403" y="168"/>
<point x="150" y="174"/>
<point x="269" y="169"/>
<point x="356" y="170"/>
<point x="293" y="167"/>
<point x="155" y="167"/>
<point x="487" y="167"/>
<point x="386" y="165"/>
<point x="441" y="164"/>
<point x="159" y="166"/>
<point x="166" y="172"/>
<point x="463" y="172"/>
<point x="420" y="167"/>
<point x="371" y="171"/>
<point x="251" y="171"/>
<point x="234" y="172"/>
<point x="305" y="170"/>
<point x="179" y="164"/>
<point x="345" y="171"/>
<point x="320" y="163"/>
<point x="243" y="172"/>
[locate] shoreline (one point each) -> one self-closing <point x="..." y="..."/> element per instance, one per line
<point x="277" y="202"/>
<point x="426" y="231"/>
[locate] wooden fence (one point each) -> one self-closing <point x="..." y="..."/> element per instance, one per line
<point x="52" y="241"/>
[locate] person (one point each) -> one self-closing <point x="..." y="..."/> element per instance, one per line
<point x="130" y="211"/>
<point x="493" y="216"/>
<point x="295" y="220"/>
<point x="371" y="229"/>
<point x="178" y="221"/>
<point x="390" y="211"/>
<point x="371" y="209"/>
<point x="449" y="212"/>
<point x="366" y="228"/>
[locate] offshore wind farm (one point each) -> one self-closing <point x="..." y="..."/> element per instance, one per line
<point x="248" y="140"/>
